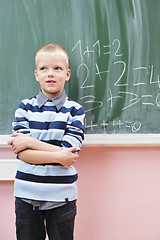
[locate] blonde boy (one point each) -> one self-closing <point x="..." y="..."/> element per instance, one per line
<point x="48" y="131"/>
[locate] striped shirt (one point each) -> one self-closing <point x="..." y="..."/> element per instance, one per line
<point x="59" y="122"/>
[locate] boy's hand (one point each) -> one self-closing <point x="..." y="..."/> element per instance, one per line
<point x="19" y="142"/>
<point x="67" y="157"/>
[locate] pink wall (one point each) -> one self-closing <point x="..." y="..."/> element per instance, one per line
<point x="119" y="195"/>
<point x="7" y="219"/>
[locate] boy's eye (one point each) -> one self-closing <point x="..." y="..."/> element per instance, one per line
<point x="43" y="68"/>
<point x="58" y="68"/>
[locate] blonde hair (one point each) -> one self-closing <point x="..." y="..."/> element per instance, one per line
<point x="52" y="48"/>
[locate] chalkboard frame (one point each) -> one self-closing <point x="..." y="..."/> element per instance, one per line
<point x="107" y="140"/>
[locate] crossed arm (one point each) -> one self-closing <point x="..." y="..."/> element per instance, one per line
<point x="34" y="151"/>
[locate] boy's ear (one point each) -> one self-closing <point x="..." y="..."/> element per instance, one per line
<point x="68" y="74"/>
<point x="36" y="75"/>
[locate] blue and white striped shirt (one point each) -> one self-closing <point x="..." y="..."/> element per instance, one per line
<point x="59" y="122"/>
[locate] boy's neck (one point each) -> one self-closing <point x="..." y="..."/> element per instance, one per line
<point x="51" y="96"/>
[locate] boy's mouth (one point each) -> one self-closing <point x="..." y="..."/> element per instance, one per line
<point x="50" y="81"/>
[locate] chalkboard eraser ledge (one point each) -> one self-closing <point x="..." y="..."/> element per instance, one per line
<point x="122" y="140"/>
<point x="109" y="140"/>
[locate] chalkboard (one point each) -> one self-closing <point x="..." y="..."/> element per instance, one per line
<point x="114" y="59"/>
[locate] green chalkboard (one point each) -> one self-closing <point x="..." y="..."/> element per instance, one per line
<point x="114" y="59"/>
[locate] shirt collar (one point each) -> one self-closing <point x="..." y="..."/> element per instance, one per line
<point x="58" y="101"/>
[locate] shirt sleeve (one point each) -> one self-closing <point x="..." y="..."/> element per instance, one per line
<point x="74" y="134"/>
<point x="21" y="123"/>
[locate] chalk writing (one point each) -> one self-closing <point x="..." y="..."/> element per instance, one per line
<point x="133" y="126"/>
<point x="120" y="91"/>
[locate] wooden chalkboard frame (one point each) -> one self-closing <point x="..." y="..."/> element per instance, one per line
<point x="110" y="140"/>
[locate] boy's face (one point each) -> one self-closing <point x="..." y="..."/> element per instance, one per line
<point x="52" y="72"/>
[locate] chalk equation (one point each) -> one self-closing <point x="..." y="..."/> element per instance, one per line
<point x="121" y="125"/>
<point x="91" y="71"/>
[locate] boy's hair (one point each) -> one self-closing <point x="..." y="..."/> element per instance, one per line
<point x="52" y="48"/>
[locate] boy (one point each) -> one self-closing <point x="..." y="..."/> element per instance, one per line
<point x="48" y="132"/>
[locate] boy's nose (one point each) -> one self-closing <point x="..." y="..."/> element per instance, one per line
<point x="50" y="73"/>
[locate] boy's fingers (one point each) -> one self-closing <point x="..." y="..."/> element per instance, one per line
<point x="10" y="142"/>
<point x="14" y="134"/>
<point x="75" y="155"/>
<point x="74" y="149"/>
